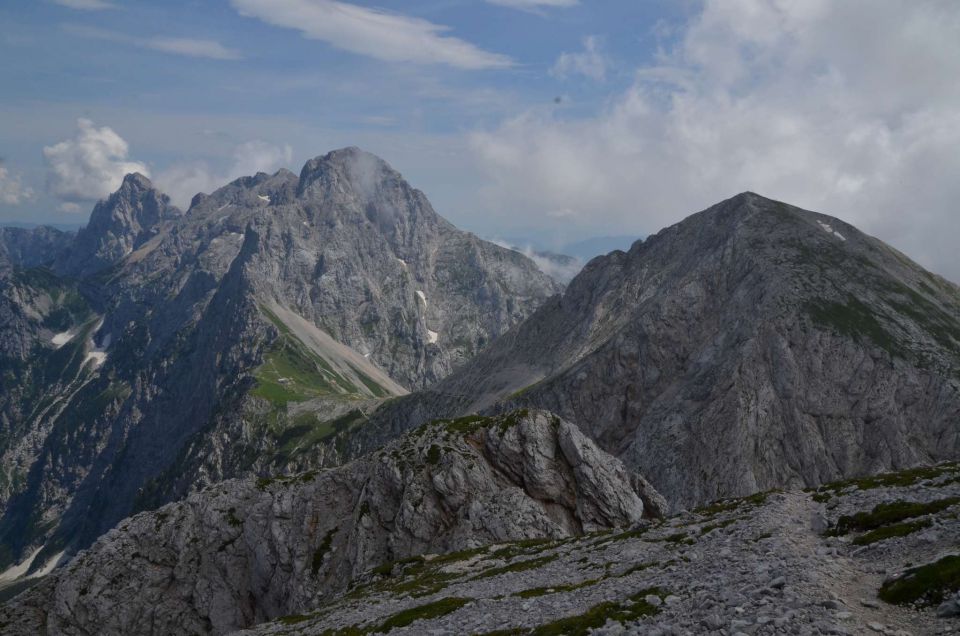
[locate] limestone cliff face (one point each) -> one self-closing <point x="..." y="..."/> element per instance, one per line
<point x="752" y="346"/>
<point x="248" y="551"/>
<point x="164" y="351"/>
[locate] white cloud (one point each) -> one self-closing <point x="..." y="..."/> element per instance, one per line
<point x="192" y="47"/>
<point x="91" y="165"/>
<point x="590" y="62"/>
<point x="797" y="101"/>
<point x="189" y="47"/>
<point x="372" y="32"/>
<point x="182" y="181"/>
<point x="86" y="5"/>
<point x="559" y="267"/>
<point x="12" y="191"/>
<point x="533" y="5"/>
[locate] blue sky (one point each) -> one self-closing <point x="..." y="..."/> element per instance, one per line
<point x="248" y="80"/>
<point x="552" y="119"/>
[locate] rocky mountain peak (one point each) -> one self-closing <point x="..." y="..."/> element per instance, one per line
<point x="753" y="345"/>
<point x="135" y="206"/>
<point x="136" y="181"/>
<point x="124" y="221"/>
<point x="362" y="169"/>
<point x="356" y="178"/>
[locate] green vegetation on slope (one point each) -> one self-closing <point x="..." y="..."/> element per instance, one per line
<point x="292" y="372"/>
<point x="900" y="479"/>
<point x="943" y="326"/>
<point x="925" y="585"/>
<point x="307" y="429"/>
<point x="886" y="514"/>
<point x="633" y="608"/>
<point x="891" y="532"/>
<point x="853" y="319"/>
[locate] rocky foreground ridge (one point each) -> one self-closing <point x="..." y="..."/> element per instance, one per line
<point x="877" y="555"/>
<point x="866" y="557"/>
<point x="249" y="551"/>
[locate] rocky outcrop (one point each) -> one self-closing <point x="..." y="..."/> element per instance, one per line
<point x="247" y="336"/>
<point x="875" y="555"/>
<point x="249" y="551"/>
<point x="752" y="346"/>
<point x="770" y="564"/>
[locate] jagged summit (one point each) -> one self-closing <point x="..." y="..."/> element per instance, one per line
<point x="118" y="225"/>
<point x="136" y="180"/>
<point x="364" y="177"/>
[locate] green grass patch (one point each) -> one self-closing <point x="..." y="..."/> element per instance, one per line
<point x="415" y="575"/>
<point x="292" y="372"/>
<point x="678" y="538"/>
<point x="318" y="555"/>
<point x="292" y="619"/>
<point x="898" y="479"/>
<point x="519" y="566"/>
<point x="400" y="566"/>
<point x="886" y="514"/>
<point x="942" y="325"/>
<point x="717" y="526"/>
<point x="423" y="612"/>
<point x="726" y="505"/>
<point x="893" y="531"/>
<point x="631" y="609"/>
<point x="232" y="518"/>
<point x="465" y="425"/>
<point x="854" y="320"/>
<point x="471" y="424"/>
<point x="925" y="585"/>
<point x="372" y="386"/>
<point x="308" y="429"/>
<point x="556" y="589"/>
<point x="636" y="533"/>
<point x="400" y="619"/>
<point x="523" y="546"/>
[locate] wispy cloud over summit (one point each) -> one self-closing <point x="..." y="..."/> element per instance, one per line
<point x="90" y="165"/>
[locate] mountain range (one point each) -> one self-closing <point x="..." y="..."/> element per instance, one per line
<point x="306" y="383"/>
<point x="162" y="350"/>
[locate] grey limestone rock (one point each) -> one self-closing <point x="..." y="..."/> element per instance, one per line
<point x="166" y="351"/>
<point x="248" y="551"/>
<point x="752" y="346"/>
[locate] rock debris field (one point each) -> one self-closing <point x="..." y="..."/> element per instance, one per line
<point x="838" y="560"/>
